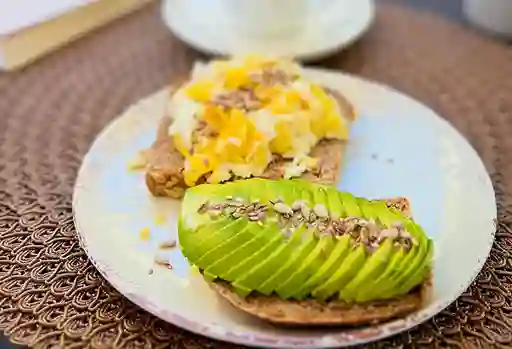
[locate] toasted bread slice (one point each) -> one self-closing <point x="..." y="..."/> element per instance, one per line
<point x="310" y="312"/>
<point x="164" y="174"/>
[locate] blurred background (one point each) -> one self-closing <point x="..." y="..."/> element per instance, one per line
<point x="30" y="29"/>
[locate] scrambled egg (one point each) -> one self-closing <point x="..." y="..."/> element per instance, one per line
<point x="231" y="120"/>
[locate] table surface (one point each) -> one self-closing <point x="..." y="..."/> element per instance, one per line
<point x="451" y="9"/>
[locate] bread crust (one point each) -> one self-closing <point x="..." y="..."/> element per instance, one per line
<point x="311" y="312"/>
<point x="164" y="170"/>
<point x="314" y="313"/>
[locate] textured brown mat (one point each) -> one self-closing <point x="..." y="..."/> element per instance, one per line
<point x="50" y="296"/>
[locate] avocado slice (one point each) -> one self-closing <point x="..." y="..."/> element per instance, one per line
<point x="420" y="274"/>
<point x="261" y="236"/>
<point x="194" y="245"/>
<point x="232" y="238"/>
<point x="374" y="287"/>
<point x="190" y="219"/>
<point x="387" y="216"/>
<point x="319" y="196"/>
<point x="367" y="210"/>
<point x="334" y="204"/>
<point x="348" y="270"/>
<point x="411" y="262"/>
<point x="260" y="268"/>
<point x="372" y="268"/>
<point x="257" y="256"/>
<point x="328" y="268"/>
<point x="261" y="190"/>
<point x="350" y="205"/>
<point x="290" y="264"/>
<point x="306" y="267"/>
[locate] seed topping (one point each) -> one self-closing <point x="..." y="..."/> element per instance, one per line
<point x="366" y="232"/>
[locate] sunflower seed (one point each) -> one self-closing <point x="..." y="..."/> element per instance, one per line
<point x="214" y="213"/>
<point x="167" y="244"/>
<point x="405" y="234"/>
<point x="305" y="211"/>
<point x="391" y="233"/>
<point x="283" y="208"/>
<point x="297" y="205"/>
<point x="397" y="225"/>
<point x="321" y="211"/>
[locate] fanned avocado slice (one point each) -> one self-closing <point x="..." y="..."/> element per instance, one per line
<point x="379" y="211"/>
<point x="319" y="196"/>
<point x="420" y="274"/>
<point x="367" y="209"/>
<point x="299" y="254"/>
<point x="374" y="287"/>
<point x="208" y="236"/>
<point x="233" y="237"/>
<point x="258" y="256"/>
<point x="411" y="263"/>
<point x="372" y="268"/>
<point x="384" y="215"/>
<point x="334" y="203"/>
<point x="190" y="218"/>
<point x="348" y="270"/>
<point x="260" y="237"/>
<point x="271" y="260"/>
<point x="261" y="190"/>
<point x="328" y="268"/>
<point x="350" y="204"/>
<point x="253" y="273"/>
<point x="306" y="267"/>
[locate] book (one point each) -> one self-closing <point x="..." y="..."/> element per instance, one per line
<point x="27" y="35"/>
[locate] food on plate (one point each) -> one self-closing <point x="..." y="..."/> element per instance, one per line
<point x="300" y="253"/>
<point x="248" y="117"/>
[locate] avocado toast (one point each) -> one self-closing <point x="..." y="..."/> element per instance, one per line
<point x="248" y="117"/>
<point x="299" y="253"/>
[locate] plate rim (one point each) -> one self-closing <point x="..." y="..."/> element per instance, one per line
<point x="305" y="55"/>
<point x="342" y="339"/>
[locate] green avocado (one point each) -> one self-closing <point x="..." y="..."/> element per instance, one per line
<point x="272" y="260"/>
<point x="334" y="204"/>
<point x="384" y="280"/>
<point x="350" y="205"/>
<point x="308" y="243"/>
<point x="419" y="275"/>
<point x="221" y="266"/>
<point x="319" y="197"/>
<point x="296" y="262"/>
<point x="337" y="256"/>
<point x="208" y="236"/>
<point x="367" y="209"/>
<point x="307" y="268"/>
<point x="411" y="262"/>
<point x="233" y="237"/>
<point x="263" y="264"/>
<point x="374" y="266"/>
<point x="347" y="271"/>
<point x="190" y="219"/>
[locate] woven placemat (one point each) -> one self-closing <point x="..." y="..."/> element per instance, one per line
<point x="50" y="296"/>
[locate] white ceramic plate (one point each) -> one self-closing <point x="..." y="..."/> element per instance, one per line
<point x="397" y="147"/>
<point x="205" y="26"/>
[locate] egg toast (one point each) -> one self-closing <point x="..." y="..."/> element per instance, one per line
<point x="248" y="117"/>
<point x="292" y="252"/>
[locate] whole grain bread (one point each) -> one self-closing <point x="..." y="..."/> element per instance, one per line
<point x="164" y="164"/>
<point x="310" y="312"/>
